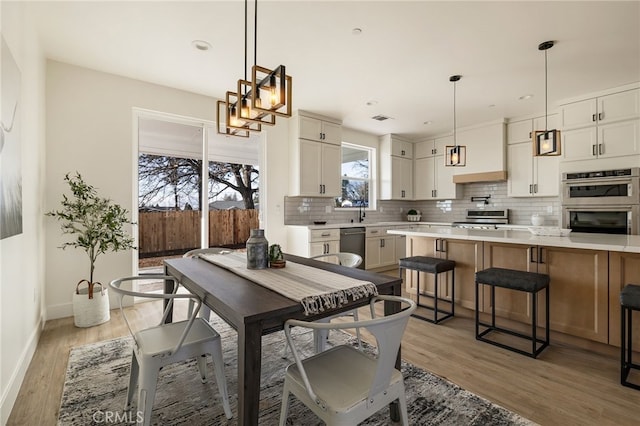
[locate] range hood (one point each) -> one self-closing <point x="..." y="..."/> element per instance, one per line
<point x="497" y="176"/>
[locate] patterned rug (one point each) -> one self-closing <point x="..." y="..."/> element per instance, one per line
<point x="97" y="376"/>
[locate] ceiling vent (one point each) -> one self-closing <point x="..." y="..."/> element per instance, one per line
<point x="380" y="117"/>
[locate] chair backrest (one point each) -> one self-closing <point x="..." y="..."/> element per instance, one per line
<point x="210" y="250"/>
<point x="120" y="293"/>
<point x="387" y="330"/>
<point x="351" y="260"/>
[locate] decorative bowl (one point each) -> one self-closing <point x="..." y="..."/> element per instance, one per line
<point x="414" y="217"/>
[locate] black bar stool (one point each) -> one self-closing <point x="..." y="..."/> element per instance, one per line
<point x="435" y="266"/>
<point x="529" y="282"/>
<point x="629" y="302"/>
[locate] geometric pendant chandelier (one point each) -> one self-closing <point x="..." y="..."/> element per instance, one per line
<point x="258" y="101"/>
<point x="546" y="142"/>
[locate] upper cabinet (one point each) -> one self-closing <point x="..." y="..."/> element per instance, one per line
<point x="396" y="168"/>
<point x="319" y="130"/>
<point x="601" y="110"/>
<point x="315" y="156"/>
<point x="486" y="153"/>
<point x="606" y="126"/>
<point x="530" y="176"/>
<point x="432" y="180"/>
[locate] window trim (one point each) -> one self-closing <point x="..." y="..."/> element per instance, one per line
<point x="373" y="176"/>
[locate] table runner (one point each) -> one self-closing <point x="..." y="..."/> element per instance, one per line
<point x="316" y="289"/>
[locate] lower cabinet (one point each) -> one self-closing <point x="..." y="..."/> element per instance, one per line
<point x="380" y="248"/>
<point x="624" y="268"/>
<point x="579" y="287"/>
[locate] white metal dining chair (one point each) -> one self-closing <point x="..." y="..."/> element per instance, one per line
<point x="166" y="344"/>
<point x="345" y="386"/>
<point x="351" y="260"/>
<point x="205" y="312"/>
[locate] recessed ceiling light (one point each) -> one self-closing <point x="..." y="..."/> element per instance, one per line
<point x="356" y="31"/>
<point x="525" y="97"/>
<point x="201" y="45"/>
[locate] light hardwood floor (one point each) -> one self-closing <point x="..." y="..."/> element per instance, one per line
<point x="566" y="385"/>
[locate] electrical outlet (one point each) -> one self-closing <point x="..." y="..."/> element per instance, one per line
<point x="549" y="209"/>
<point x="327" y="209"/>
<point x="401" y="210"/>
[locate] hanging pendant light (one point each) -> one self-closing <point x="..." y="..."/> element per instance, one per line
<point x="455" y="155"/>
<point x="546" y="142"/>
<point x="249" y="107"/>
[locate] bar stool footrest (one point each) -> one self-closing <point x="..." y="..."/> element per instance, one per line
<point x="491" y="328"/>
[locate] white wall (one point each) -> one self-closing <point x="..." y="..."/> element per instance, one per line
<point x="274" y="181"/>
<point x="22" y="256"/>
<point x="89" y="130"/>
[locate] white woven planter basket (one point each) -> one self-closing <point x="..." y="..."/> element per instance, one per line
<point x="89" y="312"/>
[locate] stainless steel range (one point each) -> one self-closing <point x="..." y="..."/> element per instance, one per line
<point x="484" y="219"/>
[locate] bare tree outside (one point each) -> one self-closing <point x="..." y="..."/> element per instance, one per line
<point x="176" y="182"/>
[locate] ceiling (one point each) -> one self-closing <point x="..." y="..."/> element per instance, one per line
<point x="400" y="63"/>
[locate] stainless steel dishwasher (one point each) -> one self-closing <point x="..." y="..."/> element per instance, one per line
<point x="352" y="241"/>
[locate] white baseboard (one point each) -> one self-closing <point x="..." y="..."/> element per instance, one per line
<point x="17" y="377"/>
<point x="59" y="311"/>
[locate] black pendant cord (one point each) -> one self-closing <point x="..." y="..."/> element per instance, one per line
<point x="546" y="115"/>
<point x="245" y="44"/>
<point x="455" y="140"/>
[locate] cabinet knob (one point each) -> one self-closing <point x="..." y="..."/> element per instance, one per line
<point x="402" y="152"/>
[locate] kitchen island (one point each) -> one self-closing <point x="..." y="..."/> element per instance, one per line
<point x="587" y="272"/>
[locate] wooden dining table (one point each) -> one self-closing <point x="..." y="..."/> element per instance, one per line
<point x="254" y="311"/>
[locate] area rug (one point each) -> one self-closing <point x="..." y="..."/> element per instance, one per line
<point x="97" y="376"/>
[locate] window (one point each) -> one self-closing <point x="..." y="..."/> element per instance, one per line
<point x="357" y="177"/>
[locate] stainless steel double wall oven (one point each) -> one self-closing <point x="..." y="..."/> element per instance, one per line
<point x="606" y="201"/>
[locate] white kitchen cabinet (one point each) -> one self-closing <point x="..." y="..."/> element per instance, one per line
<point x="396" y="168"/>
<point x="380" y="248"/>
<point x="315" y="162"/>
<point x="530" y="176"/>
<point x="319" y="173"/>
<point x="432" y="147"/>
<point x="603" y="127"/>
<point x="319" y="130"/>
<point x="606" y="109"/>
<point x="306" y="242"/>
<point x="618" y="139"/>
<point x="433" y="180"/>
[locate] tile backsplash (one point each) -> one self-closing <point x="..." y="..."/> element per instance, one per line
<point x="304" y="211"/>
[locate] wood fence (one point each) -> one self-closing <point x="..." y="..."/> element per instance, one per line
<point x="171" y="232"/>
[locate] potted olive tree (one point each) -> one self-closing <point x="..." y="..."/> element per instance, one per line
<point x="97" y="226"/>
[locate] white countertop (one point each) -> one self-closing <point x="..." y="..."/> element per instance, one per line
<point x="370" y="224"/>
<point x="609" y="242"/>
